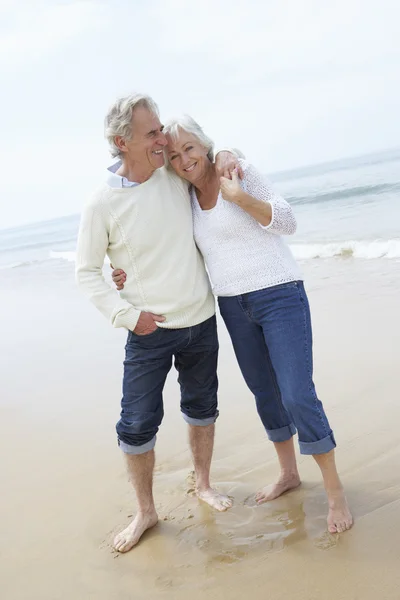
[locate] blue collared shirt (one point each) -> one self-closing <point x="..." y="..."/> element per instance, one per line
<point x="117" y="181"/>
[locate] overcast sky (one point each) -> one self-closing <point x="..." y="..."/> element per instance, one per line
<point x="289" y="82"/>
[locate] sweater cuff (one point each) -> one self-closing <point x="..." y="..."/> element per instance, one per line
<point x="127" y="319"/>
<point x="266" y="227"/>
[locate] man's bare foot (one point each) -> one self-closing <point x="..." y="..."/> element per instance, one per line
<point x="273" y="491"/>
<point x="215" y="499"/>
<point x="339" y="517"/>
<point x="130" y="536"/>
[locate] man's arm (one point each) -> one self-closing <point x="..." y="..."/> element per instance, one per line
<point x="227" y="160"/>
<point x="91" y="250"/>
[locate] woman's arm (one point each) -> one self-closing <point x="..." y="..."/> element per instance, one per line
<point x="260" y="201"/>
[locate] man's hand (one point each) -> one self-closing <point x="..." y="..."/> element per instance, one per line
<point x="226" y="163"/>
<point x="231" y="189"/>
<point x="147" y="323"/>
<point x="119" y="278"/>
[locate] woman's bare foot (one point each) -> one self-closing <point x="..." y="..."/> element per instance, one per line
<point x="274" y="490"/>
<point x="339" y="517"/>
<point x="130" y="536"/>
<point x="215" y="499"/>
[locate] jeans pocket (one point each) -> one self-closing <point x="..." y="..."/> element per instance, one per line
<point x="135" y="337"/>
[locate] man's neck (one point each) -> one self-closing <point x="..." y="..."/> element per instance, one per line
<point x="134" y="172"/>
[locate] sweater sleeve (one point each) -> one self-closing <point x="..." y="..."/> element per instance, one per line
<point x="283" y="221"/>
<point x="91" y="251"/>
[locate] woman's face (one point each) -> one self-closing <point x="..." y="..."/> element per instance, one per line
<point x="187" y="156"/>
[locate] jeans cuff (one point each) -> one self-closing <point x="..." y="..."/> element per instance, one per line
<point x="200" y="422"/>
<point x="321" y="447"/>
<point x="128" y="449"/>
<point x="282" y="434"/>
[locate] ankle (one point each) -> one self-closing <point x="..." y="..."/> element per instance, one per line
<point x="289" y="474"/>
<point x="202" y="485"/>
<point x="147" y="511"/>
<point x="335" y="493"/>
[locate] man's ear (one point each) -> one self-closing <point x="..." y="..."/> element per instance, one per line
<point x="120" y="143"/>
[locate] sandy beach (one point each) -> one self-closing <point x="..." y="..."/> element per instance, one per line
<point x="64" y="491"/>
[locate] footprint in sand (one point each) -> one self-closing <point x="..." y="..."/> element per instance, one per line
<point x="326" y="541"/>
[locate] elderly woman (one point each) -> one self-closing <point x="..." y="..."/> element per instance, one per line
<point x="238" y="227"/>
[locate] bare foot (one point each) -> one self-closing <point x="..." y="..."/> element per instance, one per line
<point x="213" y="498"/>
<point x="130" y="536"/>
<point x="339" y="517"/>
<point x="273" y="491"/>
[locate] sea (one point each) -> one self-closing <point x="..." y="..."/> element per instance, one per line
<point x="347" y="210"/>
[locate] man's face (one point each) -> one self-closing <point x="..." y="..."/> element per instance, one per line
<point x="145" y="149"/>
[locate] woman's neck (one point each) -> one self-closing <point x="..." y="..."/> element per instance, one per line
<point x="208" y="183"/>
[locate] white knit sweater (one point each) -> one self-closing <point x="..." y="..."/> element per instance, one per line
<point x="147" y="231"/>
<point x="240" y="254"/>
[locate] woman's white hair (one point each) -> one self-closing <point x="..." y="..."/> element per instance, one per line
<point x="188" y="124"/>
<point x="118" y="121"/>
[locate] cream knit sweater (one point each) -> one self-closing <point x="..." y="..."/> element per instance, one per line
<point x="147" y="231"/>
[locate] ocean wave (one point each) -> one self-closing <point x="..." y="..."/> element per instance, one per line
<point x="362" y="249"/>
<point x="16" y="265"/>
<point x="353" y="249"/>
<point x="30" y="245"/>
<point x="354" y="192"/>
<point x="367" y="249"/>
<point x="68" y="256"/>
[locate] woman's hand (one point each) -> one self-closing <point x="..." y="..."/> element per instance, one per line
<point x="231" y="189"/>
<point x="119" y="278"/>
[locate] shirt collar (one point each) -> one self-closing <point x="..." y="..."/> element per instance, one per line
<point x="117" y="181"/>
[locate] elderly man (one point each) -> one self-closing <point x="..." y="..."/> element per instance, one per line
<point x="141" y="218"/>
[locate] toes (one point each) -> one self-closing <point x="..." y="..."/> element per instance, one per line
<point x="227" y="502"/>
<point x="215" y="500"/>
<point x="340" y="526"/>
<point x="123" y="545"/>
<point x="348" y="525"/>
<point x="118" y="544"/>
<point x="224" y="504"/>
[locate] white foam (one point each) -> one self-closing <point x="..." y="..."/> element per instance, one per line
<point x="356" y="249"/>
<point x="69" y="256"/>
<point x="14" y="265"/>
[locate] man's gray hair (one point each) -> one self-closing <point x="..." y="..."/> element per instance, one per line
<point x="188" y="124"/>
<point x="118" y="121"/>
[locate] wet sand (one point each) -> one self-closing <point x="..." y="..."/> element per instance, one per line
<point x="64" y="491"/>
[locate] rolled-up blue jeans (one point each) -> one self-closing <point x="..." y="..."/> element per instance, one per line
<point x="148" y="360"/>
<point x="272" y="338"/>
